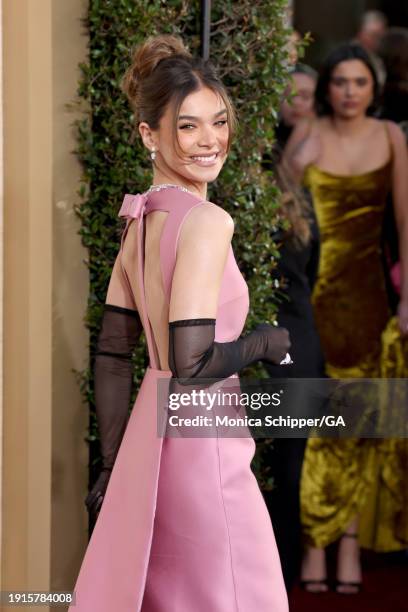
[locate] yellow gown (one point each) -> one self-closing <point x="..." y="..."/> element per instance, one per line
<point x="342" y="479"/>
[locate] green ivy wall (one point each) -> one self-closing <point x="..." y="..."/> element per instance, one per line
<point x="248" y="46"/>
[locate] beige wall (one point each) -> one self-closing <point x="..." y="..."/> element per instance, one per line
<point x="44" y="470"/>
<point x="1" y="272"/>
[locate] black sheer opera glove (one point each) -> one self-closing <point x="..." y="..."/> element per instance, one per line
<point x="113" y="374"/>
<point x="193" y="353"/>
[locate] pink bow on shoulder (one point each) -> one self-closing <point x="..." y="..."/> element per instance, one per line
<point x="133" y="206"/>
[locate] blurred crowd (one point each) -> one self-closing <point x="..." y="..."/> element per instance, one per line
<point x="341" y="159"/>
<point x="387" y="48"/>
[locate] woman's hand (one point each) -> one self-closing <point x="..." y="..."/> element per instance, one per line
<point x="402" y="313"/>
<point x="96" y="496"/>
<point x="277" y="342"/>
<point x="302" y="149"/>
<point x="307" y="152"/>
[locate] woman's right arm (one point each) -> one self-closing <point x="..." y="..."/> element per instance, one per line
<point x="302" y="149"/>
<point x="119" y="334"/>
<point x="193" y="352"/>
<point x="400" y="201"/>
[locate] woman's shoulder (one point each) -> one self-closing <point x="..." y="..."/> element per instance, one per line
<point x="323" y="124"/>
<point x="381" y="124"/>
<point x="392" y="129"/>
<point x="308" y="127"/>
<point x="304" y="126"/>
<point x="376" y="123"/>
<point x="208" y="221"/>
<point x="211" y="214"/>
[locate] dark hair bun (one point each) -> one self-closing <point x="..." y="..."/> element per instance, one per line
<point x="162" y="74"/>
<point x="147" y="56"/>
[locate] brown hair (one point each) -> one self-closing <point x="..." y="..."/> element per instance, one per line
<point x="294" y="205"/>
<point x="164" y="72"/>
<point x="295" y="208"/>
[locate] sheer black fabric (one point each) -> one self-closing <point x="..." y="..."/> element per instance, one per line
<point x="298" y="267"/>
<point x="120" y="332"/>
<point x="194" y="353"/>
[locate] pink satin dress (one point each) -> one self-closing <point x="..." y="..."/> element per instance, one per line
<point x="183" y="526"/>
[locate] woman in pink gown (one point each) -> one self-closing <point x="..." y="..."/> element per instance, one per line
<point x="183" y="526"/>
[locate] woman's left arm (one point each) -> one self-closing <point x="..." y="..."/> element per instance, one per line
<point x="400" y="200"/>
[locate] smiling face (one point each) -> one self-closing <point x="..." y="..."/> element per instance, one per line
<point x="202" y="130"/>
<point x="351" y="89"/>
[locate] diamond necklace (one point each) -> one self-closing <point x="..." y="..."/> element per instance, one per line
<point x="166" y="185"/>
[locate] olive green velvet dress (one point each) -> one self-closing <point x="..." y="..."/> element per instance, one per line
<point x="345" y="478"/>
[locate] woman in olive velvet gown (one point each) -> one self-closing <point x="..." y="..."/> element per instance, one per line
<point x="353" y="489"/>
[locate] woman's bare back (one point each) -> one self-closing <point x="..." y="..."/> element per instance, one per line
<point x="157" y="306"/>
<point x="202" y="249"/>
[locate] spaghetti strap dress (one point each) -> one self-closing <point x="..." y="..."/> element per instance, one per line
<point x="183" y="526"/>
<point x="342" y="479"/>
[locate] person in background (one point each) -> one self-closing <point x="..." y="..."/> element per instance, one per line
<point x="297" y="103"/>
<point x="296" y="272"/>
<point x="292" y="47"/>
<point x="373" y="26"/>
<point x="393" y="51"/>
<point x="352" y="490"/>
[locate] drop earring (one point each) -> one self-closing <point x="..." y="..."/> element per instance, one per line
<point x="153" y="154"/>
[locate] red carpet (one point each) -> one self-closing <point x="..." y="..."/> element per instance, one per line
<point x="385" y="589"/>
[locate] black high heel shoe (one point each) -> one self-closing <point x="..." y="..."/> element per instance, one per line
<point x="304" y="584"/>
<point x="356" y="586"/>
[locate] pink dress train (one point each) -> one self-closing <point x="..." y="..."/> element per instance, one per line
<point x="183" y="526"/>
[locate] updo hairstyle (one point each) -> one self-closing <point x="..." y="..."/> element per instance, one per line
<point x="164" y="72"/>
